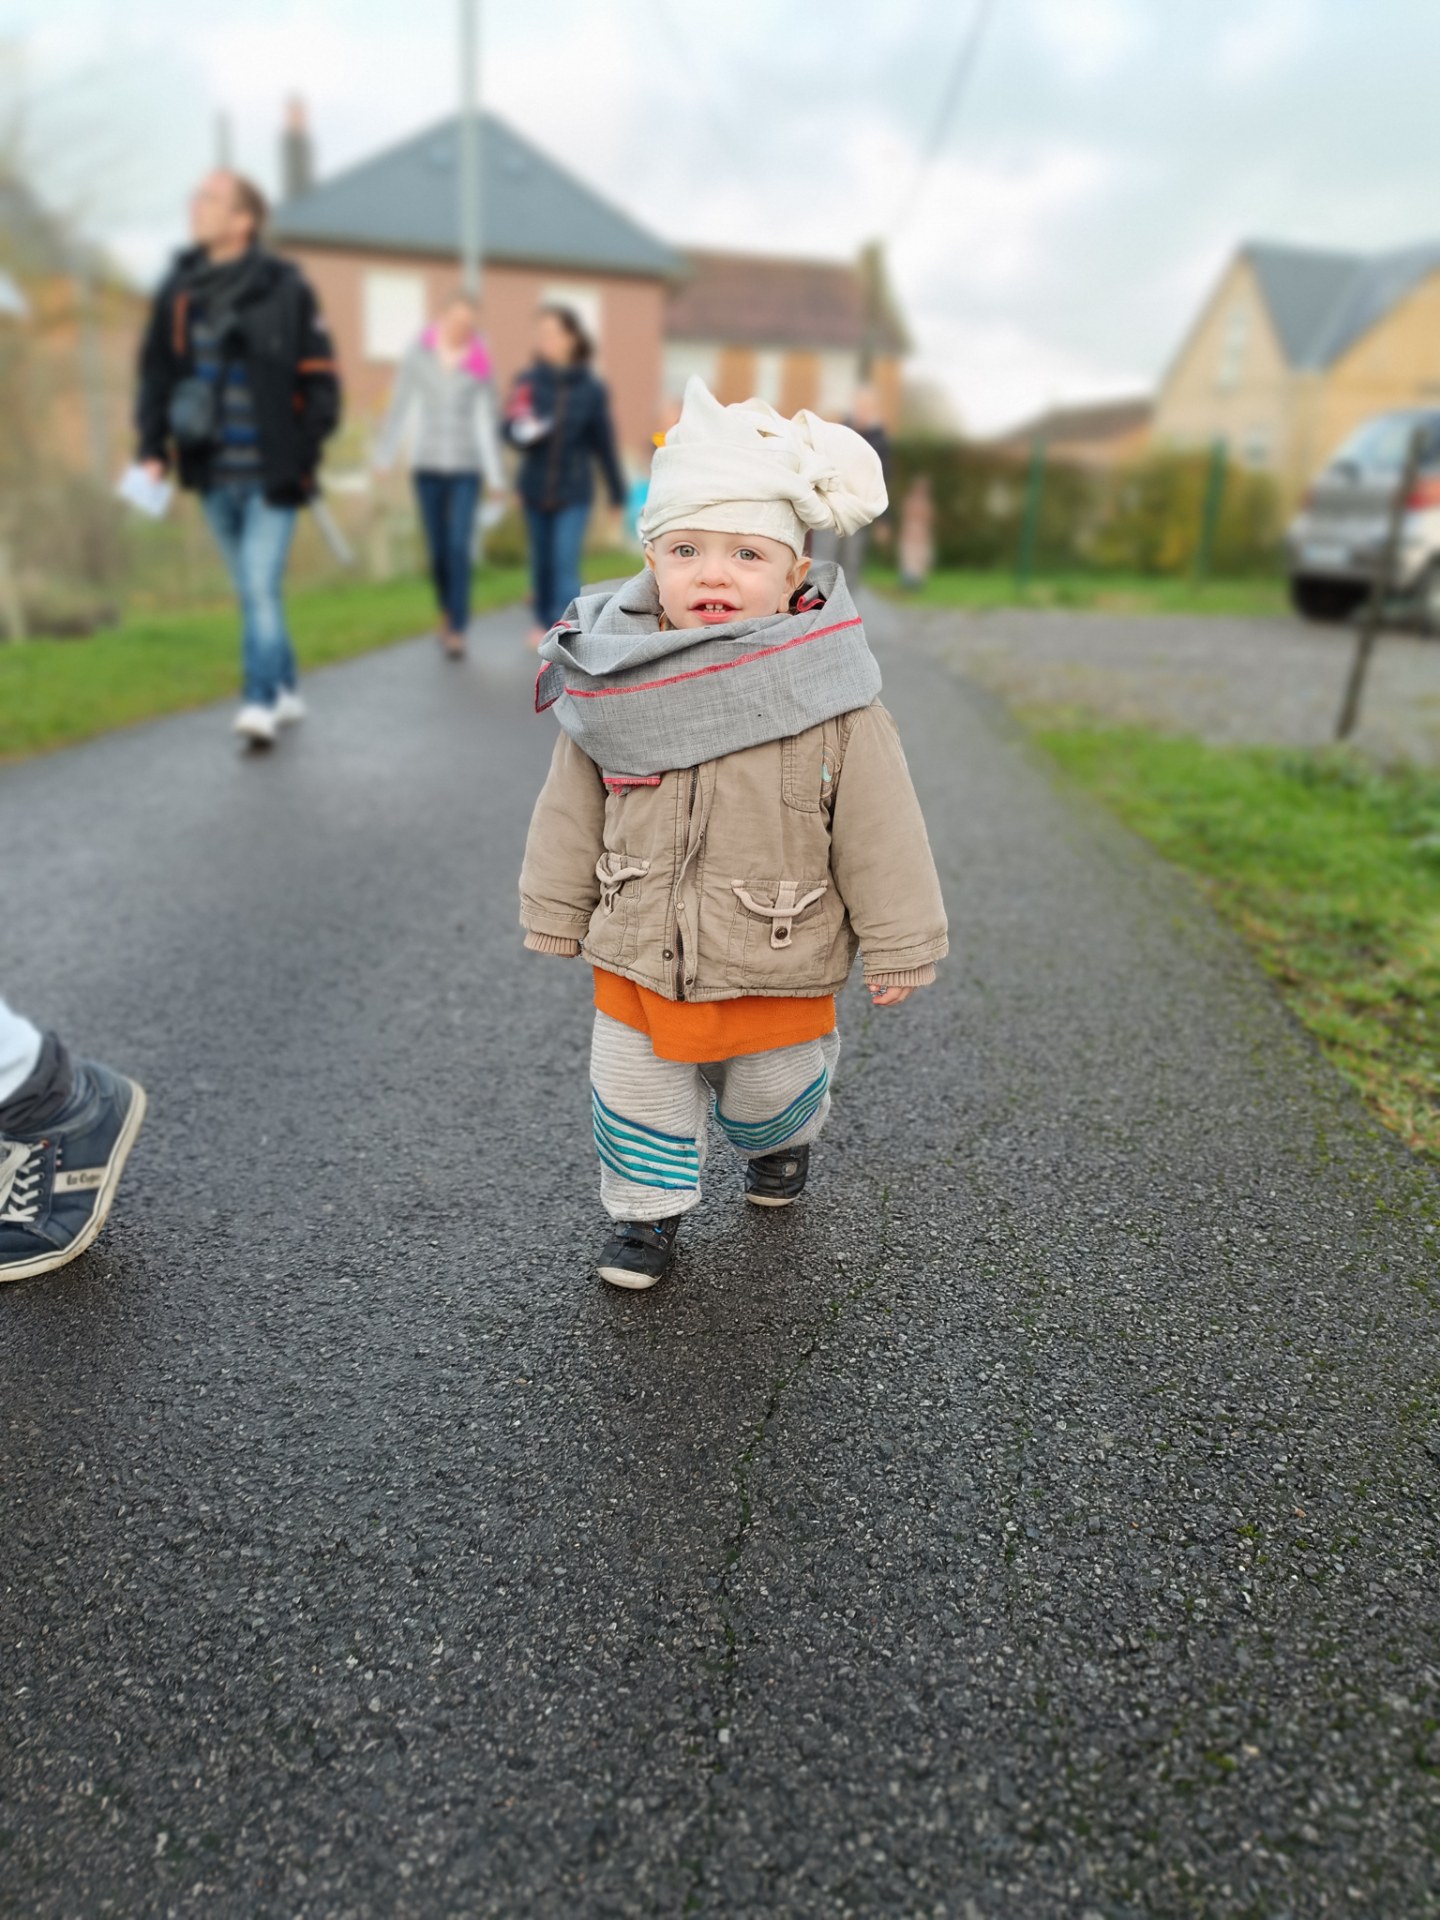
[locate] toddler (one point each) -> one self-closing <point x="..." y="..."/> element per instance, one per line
<point x="727" y="819"/>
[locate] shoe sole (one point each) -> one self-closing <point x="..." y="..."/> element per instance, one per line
<point x="48" y="1262"/>
<point x="766" y="1200"/>
<point x="631" y="1282"/>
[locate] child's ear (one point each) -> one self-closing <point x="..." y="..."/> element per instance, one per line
<point x="650" y="558"/>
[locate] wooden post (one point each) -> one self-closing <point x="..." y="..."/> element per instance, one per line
<point x="1380" y="585"/>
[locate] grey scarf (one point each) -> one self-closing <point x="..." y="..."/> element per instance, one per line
<point x="640" y="700"/>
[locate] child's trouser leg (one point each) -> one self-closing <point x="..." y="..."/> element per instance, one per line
<point x="768" y="1101"/>
<point x="649" y="1125"/>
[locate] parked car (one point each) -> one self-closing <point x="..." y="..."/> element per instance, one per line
<point x="1336" y="542"/>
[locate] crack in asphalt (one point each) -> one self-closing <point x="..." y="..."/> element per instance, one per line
<point x="726" y="1672"/>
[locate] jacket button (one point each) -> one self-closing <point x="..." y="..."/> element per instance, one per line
<point x="669" y="954"/>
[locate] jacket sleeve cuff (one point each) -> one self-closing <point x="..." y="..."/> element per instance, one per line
<point x="558" y="943"/>
<point x="914" y="977"/>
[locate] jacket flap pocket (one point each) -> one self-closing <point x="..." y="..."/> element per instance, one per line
<point x="781" y="912"/>
<point x="612" y="870"/>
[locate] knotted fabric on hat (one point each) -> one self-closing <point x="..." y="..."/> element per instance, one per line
<point x="747" y="469"/>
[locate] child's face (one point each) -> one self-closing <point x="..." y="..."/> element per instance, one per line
<point x="709" y="579"/>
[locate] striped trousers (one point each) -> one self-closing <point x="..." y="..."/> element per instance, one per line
<point x="651" y="1115"/>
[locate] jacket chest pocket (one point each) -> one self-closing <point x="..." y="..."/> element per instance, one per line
<point x="614" y="925"/>
<point x="777" y="934"/>
<point x="807" y="770"/>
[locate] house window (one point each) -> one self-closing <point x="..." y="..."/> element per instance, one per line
<point x="393" y="312"/>
<point x="583" y="301"/>
<point x="839" y="377"/>
<point x="1232" y="349"/>
<point x="769" y="375"/>
<point x="1256" y="447"/>
<point x="686" y="357"/>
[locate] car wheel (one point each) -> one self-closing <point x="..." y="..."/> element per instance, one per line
<point x="1326" y="600"/>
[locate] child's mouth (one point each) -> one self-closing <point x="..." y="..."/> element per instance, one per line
<point x="713" y="612"/>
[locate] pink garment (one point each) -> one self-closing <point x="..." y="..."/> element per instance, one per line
<point x="477" y="354"/>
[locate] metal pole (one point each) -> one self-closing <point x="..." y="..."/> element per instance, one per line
<point x="224" y="145"/>
<point x="1030" y="517"/>
<point x="1210" y="517"/>
<point x="1380" y="584"/>
<point x="469" y="182"/>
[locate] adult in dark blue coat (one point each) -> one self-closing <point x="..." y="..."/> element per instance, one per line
<point x="558" y="415"/>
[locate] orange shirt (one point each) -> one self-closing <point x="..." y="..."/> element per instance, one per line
<point x="702" y="1030"/>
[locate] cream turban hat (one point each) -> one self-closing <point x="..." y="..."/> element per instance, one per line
<point x="747" y="469"/>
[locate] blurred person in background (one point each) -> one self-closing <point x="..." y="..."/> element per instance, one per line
<point x="558" y="415"/>
<point x="66" y="1130"/>
<point x="917" y="534"/>
<point x="850" y="552"/>
<point x="238" y="388"/>
<point x="445" y="395"/>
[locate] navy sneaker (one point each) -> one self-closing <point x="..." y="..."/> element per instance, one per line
<point x="777" y="1179"/>
<point x="56" y="1187"/>
<point x="639" y="1253"/>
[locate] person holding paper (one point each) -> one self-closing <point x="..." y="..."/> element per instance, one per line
<point x="238" y="392"/>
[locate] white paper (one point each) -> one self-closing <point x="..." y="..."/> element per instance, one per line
<point x="492" y="511"/>
<point x="529" y="428"/>
<point x="141" y="490"/>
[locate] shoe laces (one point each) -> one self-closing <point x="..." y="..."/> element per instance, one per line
<point x="21" y="1167"/>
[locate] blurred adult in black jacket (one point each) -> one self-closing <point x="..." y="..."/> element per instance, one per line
<point x="239" y="391"/>
<point x="558" y="415"/>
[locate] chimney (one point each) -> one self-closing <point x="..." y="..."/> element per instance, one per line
<point x="297" y="150"/>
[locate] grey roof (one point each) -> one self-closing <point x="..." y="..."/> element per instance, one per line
<point x="405" y="200"/>
<point x="1323" y="302"/>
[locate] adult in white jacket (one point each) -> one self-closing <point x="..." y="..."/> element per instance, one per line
<point x="443" y="414"/>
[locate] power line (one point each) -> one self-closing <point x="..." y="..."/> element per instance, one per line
<point x="687" y="66"/>
<point x="956" y="87"/>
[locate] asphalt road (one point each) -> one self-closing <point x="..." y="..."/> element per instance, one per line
<point x="1038" y="1522"/>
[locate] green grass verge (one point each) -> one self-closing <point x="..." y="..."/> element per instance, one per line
<point x="1330" y="869"/>
<point x="55" y="692"/>
<point x="1095" y="592"/>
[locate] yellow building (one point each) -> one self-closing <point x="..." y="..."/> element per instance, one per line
<point x="1296" y="346"/>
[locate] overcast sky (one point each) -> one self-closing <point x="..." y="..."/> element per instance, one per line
<point x="1106" y="160"/>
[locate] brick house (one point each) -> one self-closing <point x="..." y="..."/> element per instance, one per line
<point x="378" y="242"/>
<point x="1296" y="346"/>
<point x="1089" y="433"/>
<point x="798" y="333"/>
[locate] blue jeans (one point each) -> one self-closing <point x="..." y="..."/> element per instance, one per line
<point x="254" y="541"/>
<point x="556" y="537"/>
<point x="447" y="512"/>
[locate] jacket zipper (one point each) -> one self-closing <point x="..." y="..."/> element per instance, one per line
<point x="560" y="396"/>
<point x="679" y="937"/>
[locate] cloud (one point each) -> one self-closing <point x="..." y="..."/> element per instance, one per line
<point x="1269" y="38"/>
<point x="1089" y="38"/>
<point x="1000" y="371"/>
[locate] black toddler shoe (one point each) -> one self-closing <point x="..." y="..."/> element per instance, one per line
<point x="639" y="1253"/>
<point x="777" y="1179"/>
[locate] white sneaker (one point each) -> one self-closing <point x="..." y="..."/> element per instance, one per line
<point x="257" y="725"/>
<point x="289" y="708"/>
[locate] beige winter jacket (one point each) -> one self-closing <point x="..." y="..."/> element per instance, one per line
<point x="758" y="873"/>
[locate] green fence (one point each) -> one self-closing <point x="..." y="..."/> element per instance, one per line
<point x="1166" y="513"/>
